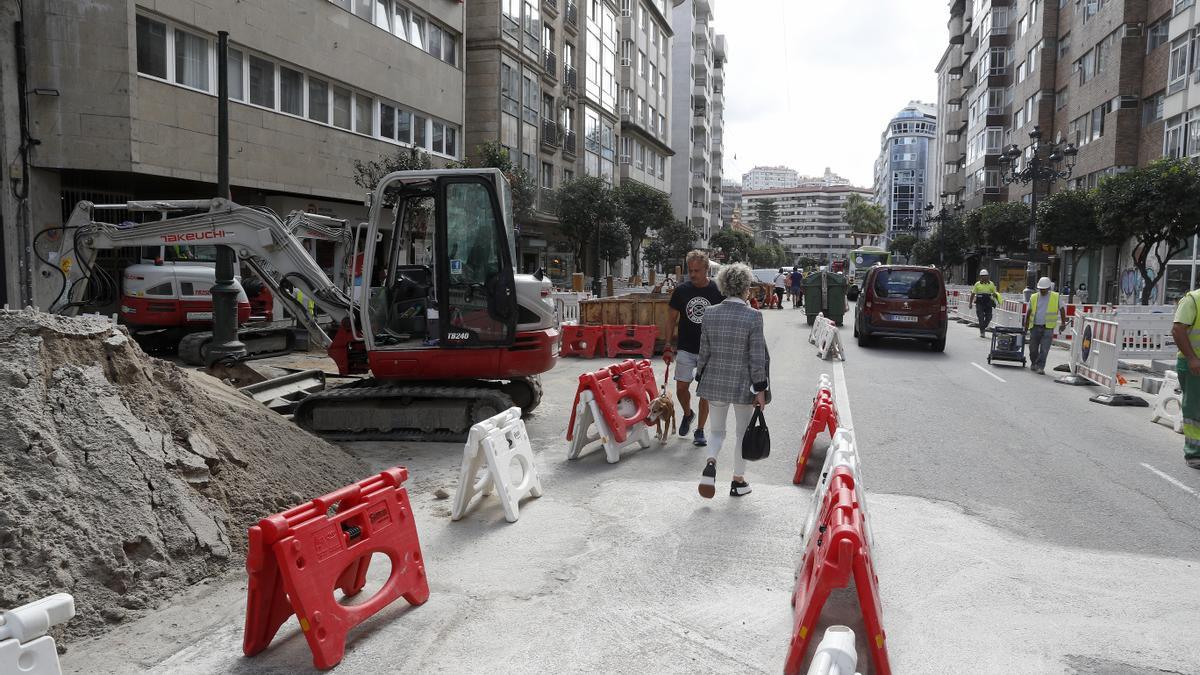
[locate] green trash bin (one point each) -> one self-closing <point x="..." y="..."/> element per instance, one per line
<point x="825" y="293"/>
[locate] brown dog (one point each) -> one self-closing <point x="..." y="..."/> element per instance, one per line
<point x="662" y="411"/>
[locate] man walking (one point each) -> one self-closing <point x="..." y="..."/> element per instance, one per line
<point x="985" y="297"/>
<point x="688" y="304"/>
<point x="797" y="280"/>
<point x="1186" y="331"/>
<point x="1044" y="313"/>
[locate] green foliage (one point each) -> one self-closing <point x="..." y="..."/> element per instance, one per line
<point x="945" y="247"/>
<point x="766" y="214"/>
<point x="1069" y="218"/>
<point x="642" y="209"/>
<point x="584" y="204"/>
<point x="734" y="244"/>
<point x="806" y="262"/>
<point x="1002" y="226"/>
<point x="1158" y="206"/>
<point x="524" y="187"/>
<point x="864" y="216"/>
<point x="368" y="174"/>
<point x="614" y="242"/>
<point x="903" y="244"/>
<point x="768" y="255"/>
<point x="670" y="244"/>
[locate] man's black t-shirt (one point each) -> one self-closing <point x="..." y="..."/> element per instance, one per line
<point x="691" y="302"/>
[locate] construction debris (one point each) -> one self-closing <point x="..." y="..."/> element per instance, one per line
<point x="123" y="478"/>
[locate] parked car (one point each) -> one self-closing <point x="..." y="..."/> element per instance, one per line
<point x="902" y="301"/>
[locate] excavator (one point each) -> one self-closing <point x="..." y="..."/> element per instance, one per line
<point x="435" y="321"/>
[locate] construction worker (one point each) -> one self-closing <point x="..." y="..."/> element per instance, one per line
<point x="1186" y="331"/>
<point x="1043" y="314"/>
<point x="984" y="297"/>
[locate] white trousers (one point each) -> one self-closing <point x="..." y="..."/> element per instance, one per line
<point x="717" y="414"/>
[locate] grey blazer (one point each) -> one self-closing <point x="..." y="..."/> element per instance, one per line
<point x="733" y="353"/>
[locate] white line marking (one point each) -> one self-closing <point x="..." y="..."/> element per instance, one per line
<point x="1172" y="481"/>
<point x="985" y="370"/>
<point x="842" y="397"/>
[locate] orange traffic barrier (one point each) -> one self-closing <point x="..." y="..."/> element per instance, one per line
<point x="836" y="552"/>
<point x="616" y="389"/>
<point x="297" y="558"/>
<point x="822" y="418"/>
<point x="630" y="341"/>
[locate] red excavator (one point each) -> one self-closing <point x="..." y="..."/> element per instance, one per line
<point x="435" y="313"/>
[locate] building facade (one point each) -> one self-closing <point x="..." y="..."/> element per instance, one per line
<point x="731" y="198"/>
<point x="903" y="178"/>
<point x="697" y="71"/>
<point x="1094" y="72"/>
<point x="810" y="220"/>
<point x="121" y="97"/>
<point x="770" y="178"/>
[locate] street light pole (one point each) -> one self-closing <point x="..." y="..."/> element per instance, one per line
<point x="943" y="216"/>
<point x="596" y="266"/>
<point x="1036" y="168"/>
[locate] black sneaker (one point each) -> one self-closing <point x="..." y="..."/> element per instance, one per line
<point x="699" y="440"/>
<point x="686" y="424"/>
<point x="739" y="488"/>
<point x="708" y="480"/>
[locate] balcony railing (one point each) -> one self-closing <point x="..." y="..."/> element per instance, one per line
<point x="569" y="141"/>
<point x="550" y="136"/>
<point x="550" y="60"/>
<point x="572" y="14"/>
<point x="552" y="4"/>
<point x="570" y="77"/>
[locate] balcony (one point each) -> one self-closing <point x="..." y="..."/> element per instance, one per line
<point x="952" y="150"/>
<point x="570" y="78"/>
<point x="626" y="114"/>
<point x="699" y="180"/>
<point x="955" y="25"/>
<point x="551" y="138"/>
<point x="572" y="15"/>
<point x="551" y="5"/>
<point x="568" y="142"/>
<point x="550" y="61"/>
<point x="952" y="183"/>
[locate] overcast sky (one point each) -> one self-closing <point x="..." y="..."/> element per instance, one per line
<point x="812" y="83"/>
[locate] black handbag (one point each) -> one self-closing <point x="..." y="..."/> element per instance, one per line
<point x="756" y="442"/>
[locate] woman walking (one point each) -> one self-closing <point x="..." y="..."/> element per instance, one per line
<point x="732" y="372"/>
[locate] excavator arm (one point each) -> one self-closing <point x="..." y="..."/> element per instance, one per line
<point x="258" y="236"/>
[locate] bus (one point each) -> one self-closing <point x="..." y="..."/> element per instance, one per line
<point x="863" y="259"/>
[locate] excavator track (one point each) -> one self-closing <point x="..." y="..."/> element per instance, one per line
<point x="370" y="411"/>
<point x="261" y="342"/>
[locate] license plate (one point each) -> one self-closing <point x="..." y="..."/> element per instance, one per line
<point x="901" y="318"/>
<point x="199" y="316"/>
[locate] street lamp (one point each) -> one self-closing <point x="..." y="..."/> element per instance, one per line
<point x="1042" y="163"/>
<point x="943" y="216"/>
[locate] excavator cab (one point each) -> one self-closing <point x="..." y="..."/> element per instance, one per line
<point x="437" y="263"/>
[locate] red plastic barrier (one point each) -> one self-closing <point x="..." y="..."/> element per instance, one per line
<point x="297" y="558"/>
<point x="629" y="380"/>
<point x="833" y="554"/>
<point x="823" y="418"/>
<point x="630" y="341"/>
<point x="582" y="341"/>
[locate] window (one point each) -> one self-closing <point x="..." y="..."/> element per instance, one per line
<point x="438" y="137"/>
<point x="998" y="60"/>
<point x="383" y="14"/>
<point x="364" y="118"/>
<point x="1177" y="65"/>
<point x="910" y="284"/>
<point x="318" y="100"/>
<point x="419" y="131"/>
<point x="191" y="60"/>
<point x="341" y="107"/>
<point x="1064" y="46"/>
<point x="435" y="41"/>
<point x="1173" y="139"/>
<point x="151" y="47"/>
<point x="1060" y="99"/>
<point x="1156" y="34"/>
<point x="451" y="141"/>
<point x="291" y="91"/>
<point x="416" y="30"/>
<point x="387" y="121"/>
<point x="233" y="69"/>
<point x="262" y="82"/>
<point x="547" y="176"/>
<point x="404" y="126"/>
<point x="1086" y="65"/>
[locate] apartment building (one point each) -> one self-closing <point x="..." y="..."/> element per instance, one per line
<point x="731" y="198"/>
<point x="903" y="179"/>
<point x="770" y="178"/>
<point x="810" y="220"/>
<point x="121" y="100"/>
<point x="644" y="77"/>
<point x="1178" y="33"/>
<point x="697" y="62"/>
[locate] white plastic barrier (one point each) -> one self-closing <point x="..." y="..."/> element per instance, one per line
<point x="836" y="653"/>
<point x="1094" y="352"/>
<point x="592" y="432"/>
<point x="567" y="305"/>
<point x="842" y="452"/>
<point x="1009" y="314"/>
<point x="497" y="442"/>
<point x="1169" y="405"/>
<point x="824" y="334"/>
<point x="24" y="646"/>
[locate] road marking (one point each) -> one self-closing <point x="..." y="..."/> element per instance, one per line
<point x="985" y="370"/>
<point x="1172" y="481"/>
<point x="842" y="397"/>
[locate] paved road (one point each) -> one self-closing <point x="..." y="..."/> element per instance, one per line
<point x="1018" y="529"/>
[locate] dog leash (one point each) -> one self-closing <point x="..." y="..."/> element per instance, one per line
<point x="666" y="376"/>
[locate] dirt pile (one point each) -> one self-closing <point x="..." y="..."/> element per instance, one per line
<point x="123" y="478"/>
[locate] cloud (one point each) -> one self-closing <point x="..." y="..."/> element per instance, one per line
<point x="813" y="83"/>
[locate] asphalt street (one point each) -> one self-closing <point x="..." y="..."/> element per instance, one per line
<point x="1019" y="528"/>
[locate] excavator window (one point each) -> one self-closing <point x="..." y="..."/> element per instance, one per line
<point x="480" y="300"/>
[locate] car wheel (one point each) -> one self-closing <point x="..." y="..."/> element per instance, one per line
<point x="864" y="339"/>
<point x="939" y="345"/>
<point x="855" y="329"/>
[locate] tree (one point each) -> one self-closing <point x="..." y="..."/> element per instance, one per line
<point x="368" y="174"/>
<point x="734" y="244"/>
<point x="945" y="247"/>
<point x="1158" y="207"/>
<point x="768" y="255"/>
<point x="583" y="205"/>
<point x="864" y="216"/>
<point x="1068" y="218"/>
<point x="766" y="214"/>
<point x="902" y="244"/>
<point x="643" y="209"/>
<point x="807" y="262"/>
<point x="614" y="242"/>
<point x="1002" y="226"/>
<point x="670" y="244"/>
<point x="524" y="188"/>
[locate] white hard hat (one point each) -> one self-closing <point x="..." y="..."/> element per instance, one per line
<point x="983" y="273"/>
<point x="1044" y="283"/>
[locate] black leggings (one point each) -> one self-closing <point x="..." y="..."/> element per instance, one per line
<point x="779" y="296"/>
